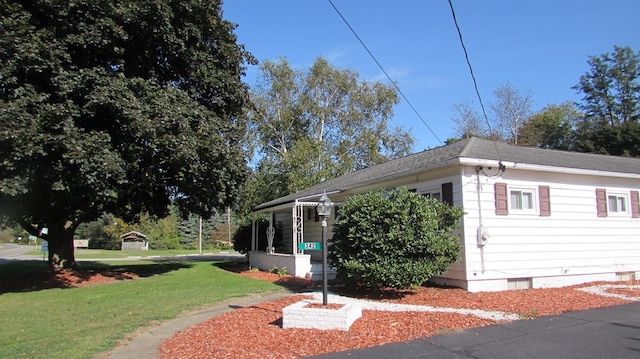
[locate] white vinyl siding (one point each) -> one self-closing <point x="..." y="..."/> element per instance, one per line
<point x="571" y="243"/>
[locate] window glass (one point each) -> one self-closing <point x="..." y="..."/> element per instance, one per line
<point x="617" y="203"/>
<point x="522" y="200"/>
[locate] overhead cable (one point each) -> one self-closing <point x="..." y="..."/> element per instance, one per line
<point x="385" y="72"/>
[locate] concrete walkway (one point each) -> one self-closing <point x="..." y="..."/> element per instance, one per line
<point x="145" y="342"/>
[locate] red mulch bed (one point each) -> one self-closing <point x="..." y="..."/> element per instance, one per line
<point x="256" y="331"/>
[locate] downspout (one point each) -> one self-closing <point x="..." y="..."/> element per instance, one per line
<point x="480" y="224"/>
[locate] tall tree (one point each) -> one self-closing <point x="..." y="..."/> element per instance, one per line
<point x="314" y="125"/>
<point x="551" y="127"/>
<point x="468" y="121"/>
<point x="611" y="104"/>
<point x="511" y="109"/>
<point x="117" y="107"/>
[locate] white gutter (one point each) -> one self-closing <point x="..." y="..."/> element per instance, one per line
<point x="526" y="166"/>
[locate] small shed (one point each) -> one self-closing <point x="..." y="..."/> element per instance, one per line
<point x="134" y="241"/>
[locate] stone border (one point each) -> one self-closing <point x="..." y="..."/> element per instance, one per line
<point x="297" y="315"/>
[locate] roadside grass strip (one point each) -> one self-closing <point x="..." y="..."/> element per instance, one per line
<point x="394" y="307"/>
<point x="603" y="291"/>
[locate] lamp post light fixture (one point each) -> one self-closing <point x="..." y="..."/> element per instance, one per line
<point x="324" y="210"/>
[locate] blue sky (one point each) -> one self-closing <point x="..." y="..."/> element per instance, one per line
<point x="540" y="46"/>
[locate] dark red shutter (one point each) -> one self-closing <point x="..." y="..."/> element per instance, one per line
<point x="635" y="205"/>
<point x="601" y="200"/>
<point x="447" y="193"/>
<point x="545" y="201"/>
<point x="501" y="199"/>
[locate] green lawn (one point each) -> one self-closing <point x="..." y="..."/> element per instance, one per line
<point x="102" y="253"/>
<point x="81" y="322"/>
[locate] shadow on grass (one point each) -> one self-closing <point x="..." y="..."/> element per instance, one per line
<point x="29" y="276"/>
<point x="289" y="282"/>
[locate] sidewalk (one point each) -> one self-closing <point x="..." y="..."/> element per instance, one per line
<point x="145" y="342"/>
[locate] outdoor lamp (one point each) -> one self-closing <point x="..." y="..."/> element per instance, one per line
<point x="324" y="206"/>
<point x="324" y="210"/>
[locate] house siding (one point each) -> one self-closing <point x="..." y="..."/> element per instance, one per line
<point x="571" y="242"/>
<point x="456" y="273"/>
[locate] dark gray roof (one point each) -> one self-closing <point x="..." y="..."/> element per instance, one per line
<point x="469" y="148"/>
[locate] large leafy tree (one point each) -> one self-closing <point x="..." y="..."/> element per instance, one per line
<point x="551" y="127"/>
<point x="313" y="125"/>
<point x="611" y="104"/>
<point x="119" y="107"/>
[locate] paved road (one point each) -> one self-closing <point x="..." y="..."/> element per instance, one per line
<point x="12" y="252"/>
<point x="611" y="332"/>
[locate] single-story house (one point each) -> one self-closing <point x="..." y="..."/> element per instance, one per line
<point x="134" y="241"/>
<point x="533" y="217"/>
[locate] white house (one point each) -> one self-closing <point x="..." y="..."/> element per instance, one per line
<point x="533" y="217"/>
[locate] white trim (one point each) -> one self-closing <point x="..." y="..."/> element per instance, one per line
<point x="523" y="189"/>
<point x="525" y="166"/>
<point x="627" y="210"/>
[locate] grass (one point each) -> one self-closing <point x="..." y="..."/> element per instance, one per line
<point x="102" y="253"/>
<point x="81" y="322"/>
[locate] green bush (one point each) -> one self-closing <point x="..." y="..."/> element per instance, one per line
<point x="396" y="239"/>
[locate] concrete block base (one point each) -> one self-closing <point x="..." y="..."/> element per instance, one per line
<point x="297" y="315"/>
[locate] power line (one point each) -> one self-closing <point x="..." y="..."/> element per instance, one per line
<point x="473" y="77"/>
<point x="385" y="72"/>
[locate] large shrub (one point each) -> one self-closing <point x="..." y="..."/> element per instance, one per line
<point x="394" y="239"/>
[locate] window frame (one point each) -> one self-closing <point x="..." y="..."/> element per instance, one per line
<point x="618" y="195"/>
<point x="533" y="191"/>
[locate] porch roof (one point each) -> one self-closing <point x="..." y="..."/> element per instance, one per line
<point x="450" y="155"/>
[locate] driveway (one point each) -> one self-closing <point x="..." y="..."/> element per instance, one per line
<point x="611" y="332"/>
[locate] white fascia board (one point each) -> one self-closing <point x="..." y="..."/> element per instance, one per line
<point x="466" y="161"/>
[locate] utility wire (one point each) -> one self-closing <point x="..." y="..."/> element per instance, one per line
<point x="385" y="72"/>
<point x="473" y="77"/>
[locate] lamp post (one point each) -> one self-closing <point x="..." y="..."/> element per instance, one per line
<point x="324" y="210"/>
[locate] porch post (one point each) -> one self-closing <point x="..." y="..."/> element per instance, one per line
<point x="253" y="235"/>
<point x="294" y="228"/>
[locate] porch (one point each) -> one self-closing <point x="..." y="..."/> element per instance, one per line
<point x="298" y="226"/>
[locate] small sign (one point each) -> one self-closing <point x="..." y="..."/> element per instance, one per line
<point x="81" y="243"/>
<point x="309" y="246"/>
<point x="44" y="247"/>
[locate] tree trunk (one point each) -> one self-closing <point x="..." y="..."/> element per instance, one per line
<point x="61" y="250"/>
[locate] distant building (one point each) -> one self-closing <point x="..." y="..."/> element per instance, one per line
<point x="134" y="241"/>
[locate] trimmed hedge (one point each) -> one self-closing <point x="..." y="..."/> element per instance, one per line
<point x="394" y="239"/>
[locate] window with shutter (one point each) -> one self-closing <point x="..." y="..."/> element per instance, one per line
<point x="501" y="199"/>
<point x="635" y="205"/>
<point x="601" y="201"/>
<point x="544" y="200"/>
<point x="447" y="193"/>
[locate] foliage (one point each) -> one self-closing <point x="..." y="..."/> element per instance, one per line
<point x="396" y="239"/>
<point x="552" y="127"/>
<point x="310" y="126"/>
<point x="117" y="107"/>
<point x="104" y="315"/>
<point x="510" y="108"/>
<point x="281" y="272"/>
<point x="611" y="104"/>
